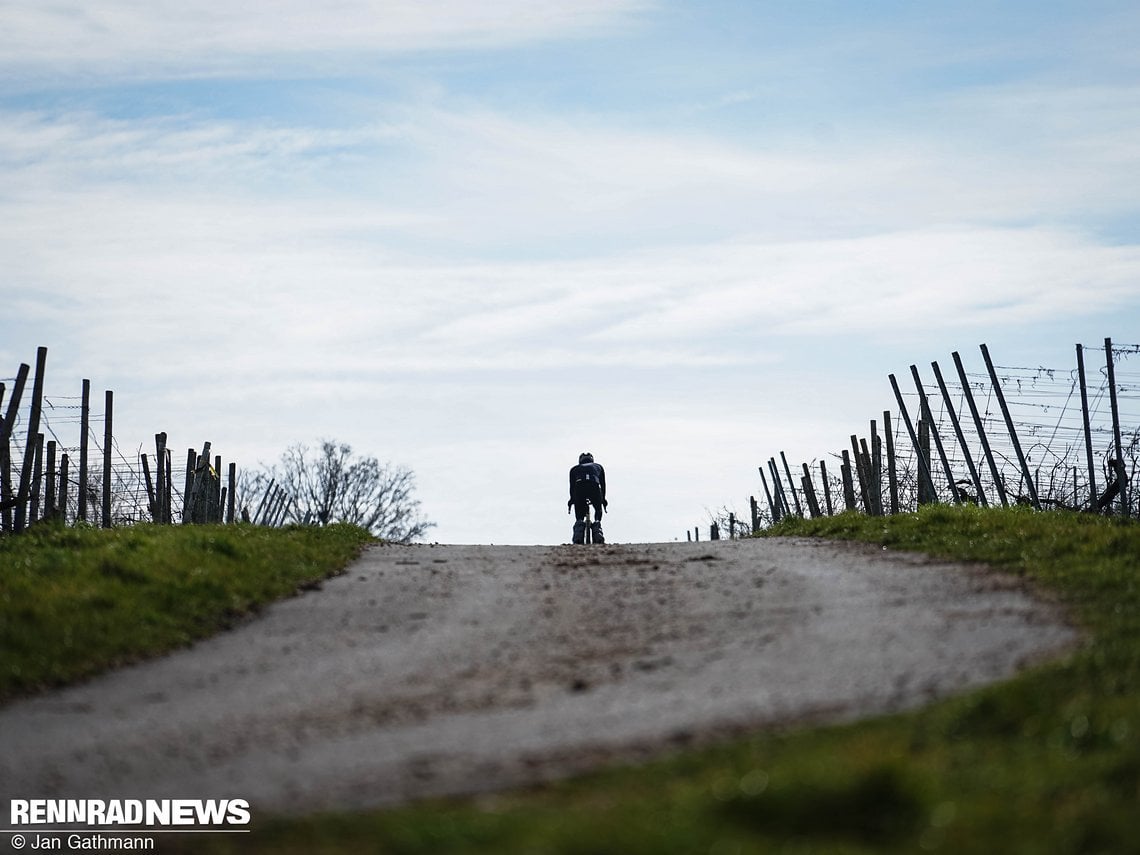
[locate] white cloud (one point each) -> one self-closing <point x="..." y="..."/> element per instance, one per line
<point x="124" y="36"/>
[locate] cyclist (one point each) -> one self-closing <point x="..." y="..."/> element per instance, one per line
<point x="587" y="487"/>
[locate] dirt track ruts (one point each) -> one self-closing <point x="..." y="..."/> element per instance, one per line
<point x="431" y="670"/>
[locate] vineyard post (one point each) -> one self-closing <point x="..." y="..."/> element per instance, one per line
<point x="925" y="481"/>
<point x="1117" y="445"/>
<point x="1088" y="430"/>
<point x="929" y="416"/>
<point x="151" y="496"/>
<point x="50" y="482"/>
<point x="778" y="488"/>
<point x="792" y="485"/>
<point x="63" y="482"/>
<point x="108" y="436"/>
<point x="848" y="484"/>
<point x="892" y="471"/>
<point x="959" y="434"/>
<point x="998" y="482"/>
<point x="30" y="448"/>
<point x="826" y="487"/>
<point x="162" y="498"/>
<point x="6" y="427"/>
<point x="84" y="428"/>
<point x="37" y="478"/>
<point x="768" y="494"/>
<point x="1026" y="477"/>
<point x="232" y="494"/>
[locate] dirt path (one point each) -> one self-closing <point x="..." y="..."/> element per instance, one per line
<point x="431" y="670"/>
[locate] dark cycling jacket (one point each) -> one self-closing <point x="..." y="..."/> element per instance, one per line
<point x="588" y="472"/>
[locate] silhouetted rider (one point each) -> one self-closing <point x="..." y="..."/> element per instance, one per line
<point x="587" y="487"/>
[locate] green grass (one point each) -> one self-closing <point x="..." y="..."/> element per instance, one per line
<point x="1048" y="762"/>
<point x="76" y="601"/>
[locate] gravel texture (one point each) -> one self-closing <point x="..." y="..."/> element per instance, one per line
<point x="433" y="670"/>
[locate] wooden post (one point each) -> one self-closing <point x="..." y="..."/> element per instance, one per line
<point x="826" y="487"/>
<point x="929" y="416"/>
<point x="1117" y="445"/>
<point x="848" y="484"/>
<point x="892" y="468"/>
<point x="876" y="469"/>
<point x="191" y="459"/>
<point x="792" y="485"/>
<point x="755" y="514"/>
<point x="63" y="487"/>
<point x="977" y="481"/>
<point x="108" y="439"/>
<point x="862" y="475"/>
<point x="232" y="494"/>
<point x="809" y="493"/>
<point x="989" y="455"/>
<point x="732" y="526"/>
<point x="219" y="491"/>
<point x="152" y="499"/>
<point x="7" y="425"/>
<point x="925" y="494"/>
<point x="697" y="534"/>
<point x="785" y="506"/>
<point x="37" y="478"/>
<point x="1093" y="495"/>
<point x="772" y="506"/>
<point x="261" y="505"/>
<point x="50" y="482"/>
<point x="161" y="497"/>
<point x="21" y="509"/>
<point x="925" y="481"/>
<point x="688" y="536"/>
<point x="84" y="429"/>
<point x="1026" y="477"/>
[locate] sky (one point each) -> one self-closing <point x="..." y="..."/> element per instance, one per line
<point x="476" y="239"/>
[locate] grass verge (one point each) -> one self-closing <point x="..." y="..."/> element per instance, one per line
<point x="76" y="601"/>
<point x="1048" y="762"/>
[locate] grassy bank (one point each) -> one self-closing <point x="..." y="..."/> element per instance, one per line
<point x="1046" y="763"/>
<point x="75" y="601"/>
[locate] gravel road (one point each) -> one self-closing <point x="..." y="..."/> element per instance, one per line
<point x="430" y="670"/>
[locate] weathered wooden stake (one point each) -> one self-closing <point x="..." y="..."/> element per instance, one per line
<point x="84" y="429"/>
<point x="108" y="439"/>
<point x="981" y="429"/>
<point x="927" y="495"/>
<point x="63" y="487"/>
<point x="929" y="416"/>
<point x="1093" y="495"/>
<point x="161" y="477"/>
<point x="862" y="475"/>
<point x="772" y="505"/>
<point x="792" y="485"/>
<point x="232" y="494"/>
<point x="892" y="468"/>
<point x="1025" y="475"/>
<point x="848" y="483"/>
<point x="1117" y="445"/>
<point x="974" y="477"/>
<point x="37" y="478"/>
<point x="925" y="481"/>
<point x="152" y="499"/>
<point x="7" y="425"/>
<point x="50" y="482"/>
<point x="826" y="487"/>
<point x="755" y="514"/>
<point x="21" y="516"/>
<point x="778" y="487"/>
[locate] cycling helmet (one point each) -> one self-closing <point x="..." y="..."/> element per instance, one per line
<point x="585" y="457"/>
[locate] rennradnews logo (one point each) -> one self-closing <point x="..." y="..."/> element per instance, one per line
<point x="182" y="813"/>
